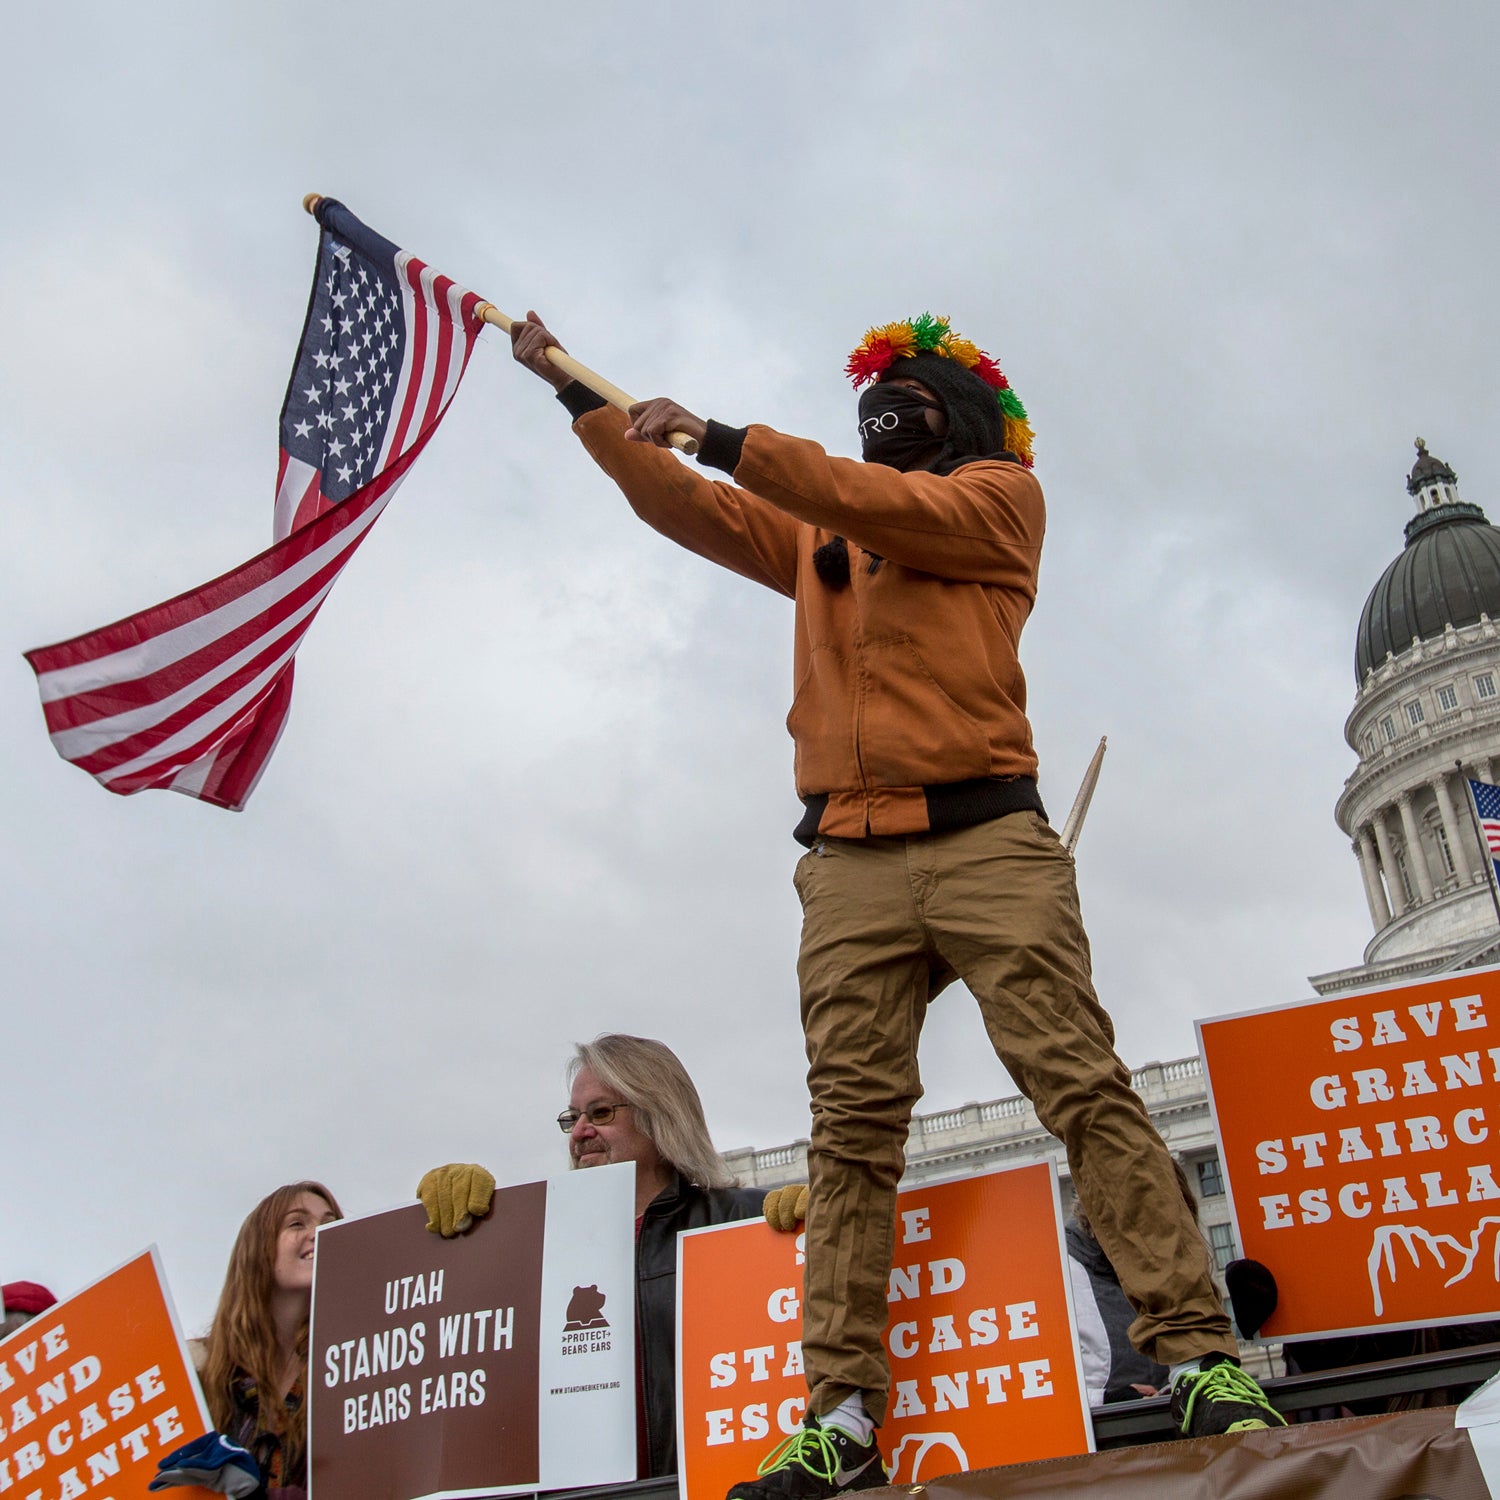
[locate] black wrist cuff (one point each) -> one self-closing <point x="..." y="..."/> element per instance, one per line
<point x="579" y="399"/>
<point x="721" y="446"/>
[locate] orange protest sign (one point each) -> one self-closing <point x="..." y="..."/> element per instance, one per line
<point x="96" y="1390"/>
<point x="1358" y="1135"/>
<point x="984" y="1366"/>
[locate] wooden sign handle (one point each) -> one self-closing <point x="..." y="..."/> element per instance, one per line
<point x="564" y="362"/>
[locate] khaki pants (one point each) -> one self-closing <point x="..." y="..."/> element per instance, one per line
<point x="887" y="922"/>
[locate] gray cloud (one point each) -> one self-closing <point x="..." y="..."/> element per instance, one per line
<point x="535" y="783"/>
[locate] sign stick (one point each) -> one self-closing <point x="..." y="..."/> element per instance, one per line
<point x="1074" y="825"/>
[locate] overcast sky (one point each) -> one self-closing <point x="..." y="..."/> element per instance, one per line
<point x="536" y="782"/>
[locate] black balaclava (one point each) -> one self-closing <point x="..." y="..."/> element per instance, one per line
<point x="976" y="429"/>
<point x="893" y="427"/>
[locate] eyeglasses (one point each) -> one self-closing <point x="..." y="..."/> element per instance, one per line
<point x="595" y="1114"/>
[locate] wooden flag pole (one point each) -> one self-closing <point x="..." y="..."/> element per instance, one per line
<point x="1074" y="826"/>
<point x="564" y="361"/>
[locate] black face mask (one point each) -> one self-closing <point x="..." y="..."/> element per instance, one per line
<point x="893" y="427"/>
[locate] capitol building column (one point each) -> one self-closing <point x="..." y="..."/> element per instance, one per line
<point x="1416" y="859"/>
<point x="1475" y="768"/>
<point x="1380" y="911"/>
<point x="1458" y="845"/>
<point x="1388" y="858"/>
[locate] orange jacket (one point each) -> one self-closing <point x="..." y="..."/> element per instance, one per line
<point x="908" y="677"/>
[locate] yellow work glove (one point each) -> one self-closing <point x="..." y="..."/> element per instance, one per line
<point x="786" y="1207"/>
<point x="455" y="1196"/>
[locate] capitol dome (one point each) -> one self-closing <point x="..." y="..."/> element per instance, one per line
<point x="1448" y="574"/>
<point x="1426" y="723"/>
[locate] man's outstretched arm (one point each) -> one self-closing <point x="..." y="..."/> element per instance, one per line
<point x="717" y="520"/>
<point x="983" y="524"/>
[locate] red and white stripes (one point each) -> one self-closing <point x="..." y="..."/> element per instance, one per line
<point x="193" y="694"/>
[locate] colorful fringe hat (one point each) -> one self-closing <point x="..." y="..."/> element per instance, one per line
<point x="883" y="346"/>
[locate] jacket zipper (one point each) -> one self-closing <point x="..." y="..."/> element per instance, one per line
<point x="859" y="692"/>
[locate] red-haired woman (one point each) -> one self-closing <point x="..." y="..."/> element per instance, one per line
<point x="254" y="1360"/>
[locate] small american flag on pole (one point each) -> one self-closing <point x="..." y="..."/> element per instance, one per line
<point x="1487" y="805"/>
<point x="193" y="694"/>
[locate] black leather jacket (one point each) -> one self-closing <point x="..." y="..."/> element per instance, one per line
<point x="677" y="1207"/>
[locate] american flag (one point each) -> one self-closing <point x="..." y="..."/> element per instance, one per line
<point x="1487" y="805"/>
<point x="193" y="694"/>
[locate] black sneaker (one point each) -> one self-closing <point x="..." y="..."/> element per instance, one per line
<point x="1222" y="1398"/>
<point x="812" y="1464"/>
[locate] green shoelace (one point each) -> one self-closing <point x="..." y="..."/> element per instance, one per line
<point x="806" y="1446"/>
<point x="1226" y="1382"/>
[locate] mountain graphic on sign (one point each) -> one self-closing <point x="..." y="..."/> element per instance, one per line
<point x="585" y="1309"/>
<point x="1410" y="1252"/>
<point x="942" y="1448"/>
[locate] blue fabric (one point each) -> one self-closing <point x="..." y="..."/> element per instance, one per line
<point x="339" y="407"/>
<point x="213" y="1463"/>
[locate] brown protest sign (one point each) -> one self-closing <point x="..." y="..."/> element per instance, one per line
<point x="1359" y="1140"/>
<point x="984" y="1365"/>
<point x="467" y="1366"/>
<point x="96" y="1390"/>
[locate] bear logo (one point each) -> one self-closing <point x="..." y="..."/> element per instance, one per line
<point x="585" y="1309"/>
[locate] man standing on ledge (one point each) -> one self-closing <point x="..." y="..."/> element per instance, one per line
<point x="929" y="854"/>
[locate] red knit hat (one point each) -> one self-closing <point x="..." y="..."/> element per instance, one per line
<point x="26" y="1297"/>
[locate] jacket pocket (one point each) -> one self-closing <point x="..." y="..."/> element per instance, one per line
<point x="912" y="733"/>
<point x="821" y="724"/>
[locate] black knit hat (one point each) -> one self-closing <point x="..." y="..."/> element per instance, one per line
<point x="893" y="344"/>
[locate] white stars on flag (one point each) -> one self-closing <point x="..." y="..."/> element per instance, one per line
<point x="353" y="336"/>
